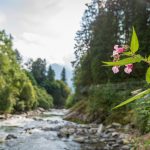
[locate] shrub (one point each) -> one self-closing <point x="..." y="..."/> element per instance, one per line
<point x="43" y="98"/>
<point x="60" y="91"/>
<point x="20" y="106"/>
<point x="70" y="101"/>
<point x="28" y="95"/>
<point x="102" y="98"/>
<point x="142" y="109"/>
<point x="7" y="99"/>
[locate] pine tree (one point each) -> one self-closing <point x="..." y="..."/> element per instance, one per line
<point x="63" y="75"/>
<point x="50" y="74"/>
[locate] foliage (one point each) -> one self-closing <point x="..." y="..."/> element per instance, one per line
<point x="28" y="95"/>
<point x="70" y="101"/>
<point x="102" y="98"/>
<point x="25" y="89"/>
<point x="31" y="77"/>
<point x="132" y="58"/>
<point x="104" y="24"/>
<point x="142" y="110"/>
<point x="43" y="98"/>
<point x="63" y="75"/>
<point x="38" y="69"/>
<point x="14" y="84"/>
<point x="60" y="91"/>
<point x="20" y="106"/>
<point x="45" y="78"/>
<point x="7" y="99"/>
<point x="50" y="74"/>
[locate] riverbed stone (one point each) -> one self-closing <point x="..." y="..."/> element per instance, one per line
<point x="115" y="134"/>
<point x="80" y="131"/>
<point x="125" y="147"/>
<point x="93" y="130"/>
<point x="71" y="131"/>
<point x="116" y="125"/>
<point x="100" y="129"/>
<point x="79" y="139"/>
<point x="2" y="139"/>
<point x="10" y="136"/>
<point x="89" y="135"/>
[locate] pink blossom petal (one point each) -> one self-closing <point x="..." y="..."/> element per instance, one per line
<point x="127" y="70"/>
<point x="130" y="66"/>
<point x="120" y="50"/>
<point x="115" y="69"/>
<point x="116" y="47"/>
<point x="115" y="53"/>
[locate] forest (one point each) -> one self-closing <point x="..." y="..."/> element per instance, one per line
<point x="98" y="88"/>
<point x="26" y="89"/>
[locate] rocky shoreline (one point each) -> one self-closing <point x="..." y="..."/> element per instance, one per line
<point x="88" y="136"/>
<point x="99" y="137"/>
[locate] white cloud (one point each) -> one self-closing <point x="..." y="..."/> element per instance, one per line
<point x="44" y="28"/>
<point x="2" y="18"/>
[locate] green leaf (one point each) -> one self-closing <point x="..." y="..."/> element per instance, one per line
<point x="148" y="58"/>
<point x="127" y="53"/>
<point x="138" y="96"/>
<point x="148" y="75"/>
<point x="130" y="60"/>
<point x="134" y="46"/>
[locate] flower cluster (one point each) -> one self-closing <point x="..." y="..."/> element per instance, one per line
<point x="116" y="56"/>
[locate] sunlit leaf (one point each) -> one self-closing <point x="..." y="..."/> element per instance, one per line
<point x="130" y="60"/>
<point x="138" y="96"/>
<point x="148" y="75"/>
<point x="148" y="58"/>
<point x="128" y="53"/>
<point x="134" y="46"/>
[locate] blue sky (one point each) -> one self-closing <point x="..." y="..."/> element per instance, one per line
<point x="43" y="28"/>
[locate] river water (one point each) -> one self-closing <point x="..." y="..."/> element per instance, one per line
<point x="42" y="132"/>
<point x="33" y="134"/>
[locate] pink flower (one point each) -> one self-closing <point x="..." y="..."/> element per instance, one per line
<point x="115" y="53"/>
<point x="128" y="68"/>
<point x="115" y="69"/>
<point x="118" y="49"/>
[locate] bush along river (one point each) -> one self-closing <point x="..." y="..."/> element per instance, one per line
<point x="46" y="130"/>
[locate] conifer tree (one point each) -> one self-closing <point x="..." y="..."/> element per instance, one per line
<point x="63" y="75"/>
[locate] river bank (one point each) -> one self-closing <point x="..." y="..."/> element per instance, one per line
<point x="47" y="130"/>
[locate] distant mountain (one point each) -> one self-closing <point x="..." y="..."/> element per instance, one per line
<point x="69" y="74"/>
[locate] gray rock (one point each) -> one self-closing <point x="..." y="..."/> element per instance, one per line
<point x="116" y="125"/>
<point x="94" y="140"/>
<point x="79" y="139"/>
<point x="111" y="140"/>
<point x="71" y="131"/>
<point x="100" y="129"/>
<point x="105" y="135"/>
<point x="115" y="145"/>
<point x="10" y="136"/>
<point x="111" y="130"/>
<point x="93" y="130"/>
<point x="2" y="139"/>
<point x="108" y="126"/>
<point x="93" y="126"/>
<point x="125" y="147"/>
<point x="115" y="134"/>
<point x="80" y="131"/>
<point x="63" y="133"/>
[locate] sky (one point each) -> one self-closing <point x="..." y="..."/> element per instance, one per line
<point x="43" y="28"/>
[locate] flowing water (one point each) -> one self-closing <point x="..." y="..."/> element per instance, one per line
<point x="36" y="133"/>
<point x="46" y="132"/>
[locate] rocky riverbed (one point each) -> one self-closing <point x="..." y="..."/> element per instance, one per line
<point x="48" y="131"/>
